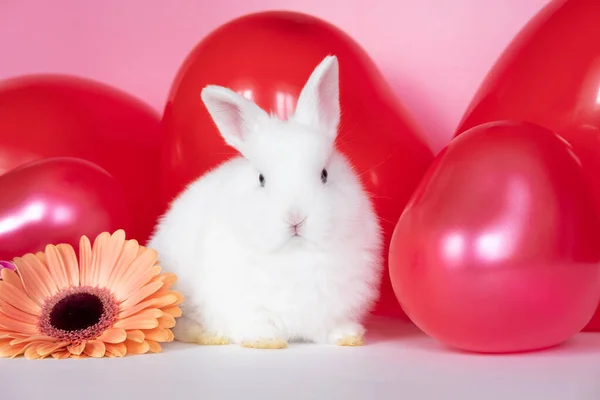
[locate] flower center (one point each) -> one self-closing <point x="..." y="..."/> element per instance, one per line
<point x="76" y="311"/>
<point x="78" y="314"/>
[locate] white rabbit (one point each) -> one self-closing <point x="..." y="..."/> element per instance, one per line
<point x="281" y="243"/>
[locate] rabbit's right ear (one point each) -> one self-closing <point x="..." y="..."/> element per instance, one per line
<point x="319" y="100"/>
<point x="235" y="116"/>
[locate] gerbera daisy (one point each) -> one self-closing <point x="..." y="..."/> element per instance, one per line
<point x="111" y="302"/>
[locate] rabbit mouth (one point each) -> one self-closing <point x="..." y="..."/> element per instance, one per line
<point x="296" y="223"/>
<point x="298" y="242"/>
<point x="295" y="233"/>
<point x="295" y="230"/>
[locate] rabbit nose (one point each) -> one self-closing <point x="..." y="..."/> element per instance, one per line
<point x="295" y="219"/>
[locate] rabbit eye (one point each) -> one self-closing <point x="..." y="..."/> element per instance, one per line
<point x="261" y="179"/>
<point x="324" y="175"/>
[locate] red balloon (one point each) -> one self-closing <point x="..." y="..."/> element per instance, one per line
<point x="498" y="249"/>
<point x="54" y="116"/>
<point x="550" y="75"/>
<point x="268" y="57"/>
<point x="57" y="200"/>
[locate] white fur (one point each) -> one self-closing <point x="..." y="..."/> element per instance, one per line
<point x="244" y="277"/>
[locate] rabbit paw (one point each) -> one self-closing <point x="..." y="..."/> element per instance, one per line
<point x="347" y="334"/>
<point x="350" y="340"/>
<point x="265" y="343"/>
<point x="206" y="339"/>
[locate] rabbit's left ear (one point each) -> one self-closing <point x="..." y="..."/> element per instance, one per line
<point x="235" y="116"/>
<point x="319" y="101"/>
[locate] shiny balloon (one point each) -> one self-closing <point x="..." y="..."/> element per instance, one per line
<point x="498" y="249"/>
<point x="54" y="116"/>
<point x="550" y="75"/>
<point x="268" y="57"/>
<point x="57" y="200"/>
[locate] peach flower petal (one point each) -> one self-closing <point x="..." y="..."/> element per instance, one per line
<point x="166" y="321"/>
<point x="12" y="351"/>
<point x="61" y="355"/>
<point x="69" y="258"/>
<point x="18" y="299"/>
<point x="57" y="267"/>
<point x="136" y="283"/>
<point x="32" y="283"/>
<point x="157" y="334"/>
<point x="5" y="347"/>
<point x="140" y="272"/>
<point x="98" y="250"/>
<point x="17" y="326"/>
<point x="173" y="311"/>
<point x="141" y="294"/>
<point x="12" y="278"/>
<point x="29" y="339"/>
<point x="46" y="348"/>
<point x="6" y="335"/>
<point x="12" y="312"/>
<point x="42" y="257"/>
<point x="40" y="269"/>
<point x="76" y="349"/>
<point x="85" y="261"/>
<point x="180" y="298"/>
<point x="128" y="254"/>
<point x="163" y="292"/>
<point x="118" y="349"/>
<point x="169" y="279"/>
<point x="95" y="348"/>
<point x="157" y="303"/>
<point x="137" y="348"/>
<point x="113" y="335"/>
<point x="147" y="319"/>
<point x="109" y="257"/>
<point x="31" y="352"/>
<point x="149" y="313"/>
<point x="136" y="335"/>
<point x="153" y="346"/>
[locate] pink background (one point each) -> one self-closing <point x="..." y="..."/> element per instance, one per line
<point x="435" y="53"/>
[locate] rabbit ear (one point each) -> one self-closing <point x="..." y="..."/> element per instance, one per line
<point x="319" y="101"/>
<point x="235" y="116"/>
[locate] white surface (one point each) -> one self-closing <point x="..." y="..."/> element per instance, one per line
<point x="398" y="362"/>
